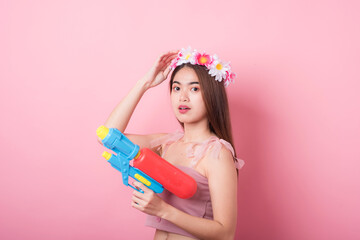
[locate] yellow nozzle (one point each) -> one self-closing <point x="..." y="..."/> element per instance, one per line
<point x="137" y="155"/>
<point x="106" y="155"/>
<point x="102" y="131"/>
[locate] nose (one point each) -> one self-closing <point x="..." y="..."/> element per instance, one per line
<point x="184" y="96"/>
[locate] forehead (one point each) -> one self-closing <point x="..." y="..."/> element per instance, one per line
<point x="186" y="75"/>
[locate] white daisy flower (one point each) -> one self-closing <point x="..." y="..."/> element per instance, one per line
<point x="185" y="56"/>
<point x="219" y="68"/>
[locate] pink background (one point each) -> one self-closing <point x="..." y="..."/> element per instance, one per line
<point x="64" y="65"/>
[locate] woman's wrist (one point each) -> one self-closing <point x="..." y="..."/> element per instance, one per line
<point x="166" y="211"/>
<point x="142" y="85"/>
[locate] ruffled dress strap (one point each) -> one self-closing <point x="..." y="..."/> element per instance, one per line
<point x="163" y="143"/>
<point x="197" y="151"/>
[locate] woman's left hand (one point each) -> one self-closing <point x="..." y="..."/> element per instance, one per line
<point x="148" y="202"/>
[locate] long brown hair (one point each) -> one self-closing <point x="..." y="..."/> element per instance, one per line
<point x="216" y="102"/>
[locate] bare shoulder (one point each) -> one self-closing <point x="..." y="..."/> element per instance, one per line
<point x="219" y="164"/>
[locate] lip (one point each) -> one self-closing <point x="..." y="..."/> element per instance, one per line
<point x="183" y="109"/>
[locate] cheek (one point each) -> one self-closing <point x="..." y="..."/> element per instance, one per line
<point x="173" y="101"/>
<point x="204" y="109"/>
<point x="201" y="104"/>
<point x="200" y="101"/>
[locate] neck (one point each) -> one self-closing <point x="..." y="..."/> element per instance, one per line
<point x="196" y="132"/>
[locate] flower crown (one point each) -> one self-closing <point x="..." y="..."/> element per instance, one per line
<point x="217" y="68"/>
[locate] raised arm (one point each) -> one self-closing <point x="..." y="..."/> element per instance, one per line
<point x="120" y="116"/>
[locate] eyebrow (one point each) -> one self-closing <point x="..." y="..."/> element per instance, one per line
<point x="188" y="83"/>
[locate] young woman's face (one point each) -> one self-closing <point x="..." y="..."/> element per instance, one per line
<point x="186" y="97"/>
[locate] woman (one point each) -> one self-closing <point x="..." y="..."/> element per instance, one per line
<point x="204" y="150"/>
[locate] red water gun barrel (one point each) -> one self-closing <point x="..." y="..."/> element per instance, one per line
<point x="172" y="178"/>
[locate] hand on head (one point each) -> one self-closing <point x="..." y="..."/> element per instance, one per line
<point x="160" y="70"/>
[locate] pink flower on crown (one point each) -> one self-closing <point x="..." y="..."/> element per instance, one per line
<point x="203" y="59"/>
<point x="229" y="78"/>
<point x="174" y="63"/>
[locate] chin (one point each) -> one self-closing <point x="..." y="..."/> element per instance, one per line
<point x="187" y="121"/>
<point x="182" y="119"/>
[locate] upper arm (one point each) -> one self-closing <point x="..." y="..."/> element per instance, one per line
<point x="222" y="180"/>
<point x="144" y="140"/>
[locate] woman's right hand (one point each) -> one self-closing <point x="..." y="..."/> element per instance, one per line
<point x="120" y="116"/>
<point x="160" y="70"/>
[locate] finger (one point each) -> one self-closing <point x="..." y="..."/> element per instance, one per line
<point x="160" y="59"/>
<point x="141" y="186"/>
<point x="170" y="62"/>
<point x="165" y="55"/>
<point x="136" y="206"/>
<point x="170" y="57"/>
<point x="162" y="62"/>
<point x="175" y="51"/>
<point x="138" y="194"/>
<point x="165" y="59"/>
<point x="137" y="200"/>
<point x="167" y="71"/>
<point x="166" y="63"/>
<point x="162" y="56"/>
<point x="167" y="68"/>
<point x="169" y="54"/>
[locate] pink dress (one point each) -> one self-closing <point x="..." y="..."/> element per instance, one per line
<point x="198" y="205"/>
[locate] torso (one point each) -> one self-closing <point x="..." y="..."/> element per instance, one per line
<point x="176" y="155"/>
<point x="193" y="156"/>
<point x="162" y="235"/>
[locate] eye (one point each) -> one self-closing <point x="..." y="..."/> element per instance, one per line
<point x="176" y="88"/>
<point x="195" y="89"/>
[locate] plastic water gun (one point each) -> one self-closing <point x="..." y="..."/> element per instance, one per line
<point x="148" y="168"/>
